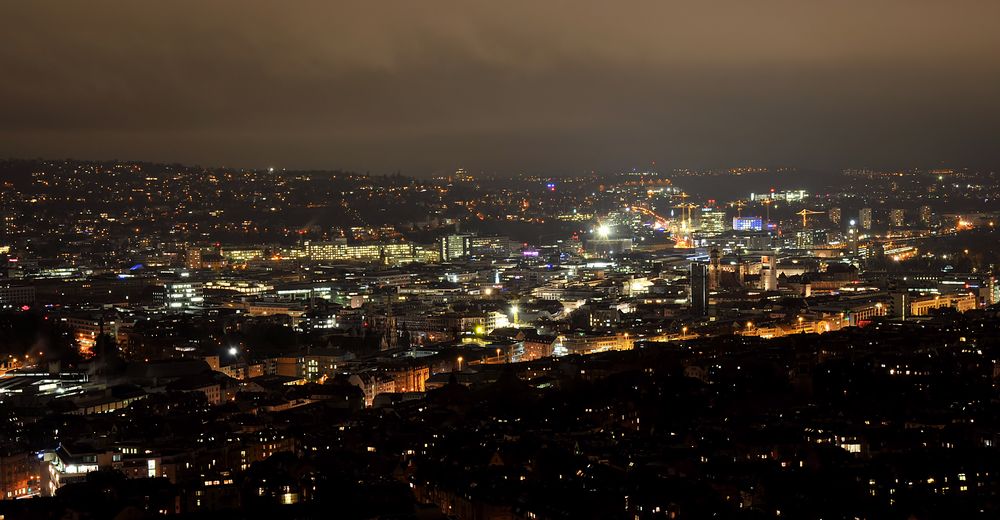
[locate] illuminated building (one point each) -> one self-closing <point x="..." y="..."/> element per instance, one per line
<point x="271" y="308"/>
<point x="247" y="287"/>
<point x="242" y="255"/>
<point x="897" y="218"/>
<point x="748" y="224"/>
<point x="769" y="273"/>
<point x="452" y="247"/>
<point x="179" y="295"/>
<point x="786" y="196"/>
<point x="804" y="239"/>
<point x="834" y="215"/>
<point x="16" y="295"/>
<point x="19" y="475"/>
<point x="488" y="246"/>
<point x="926" y="215"/>
<point x="865" y="218"/>
<point x="590" y="343"/>
<point x="712" y="222"/>
<point x="714" y="269"/>
<point x="923" y="306"/>
<point x="86" y="330"/>
<point x="192" y="258"/>
<point x="390" y="252"/>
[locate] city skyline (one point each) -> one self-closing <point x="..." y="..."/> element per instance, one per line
<point x="463" y="260"/>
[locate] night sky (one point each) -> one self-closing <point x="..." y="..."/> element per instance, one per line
<point x="504" y="86"/>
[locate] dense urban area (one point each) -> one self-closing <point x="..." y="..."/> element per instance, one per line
<point x="743" y="343"/>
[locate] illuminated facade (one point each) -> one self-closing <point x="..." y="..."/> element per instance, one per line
<point x="179" y="295"/>
<point x="748" y="224"/>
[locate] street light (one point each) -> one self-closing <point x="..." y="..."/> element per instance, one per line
<point x="801" y="330"/>
<point x="684" y="332"/>
<point x="498" y="355"/>
<point x="459" y="363"/>
<point x="233" y="351"/>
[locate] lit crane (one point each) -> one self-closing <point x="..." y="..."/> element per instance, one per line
<point x="690" y="206"/>
<point x="739" y="205"/>
<point x="767" y="205"/>
<point x="686" y="214"/>
<point x="805" y="214"/>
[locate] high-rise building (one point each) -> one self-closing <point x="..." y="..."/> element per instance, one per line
<point x="699" y="289"/>
<point x="926" y="215"/>
<point x="192" y="258"/>
<point x="897" y="218"/>
<point x="453" y="246"/>
<point x="806" y="238"/>
<point x="834" y="215"/>
<point x="865" y="218"/>
<point x="712" y="222"/>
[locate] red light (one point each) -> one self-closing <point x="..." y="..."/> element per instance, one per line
<point x="25" y="307"/>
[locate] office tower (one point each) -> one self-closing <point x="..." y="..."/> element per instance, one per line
<point x="179" y="295"/>
<point x="865" y="218"/>
<point x="805" y="239"/>
<point x="834" y="215"/>
<point x="699" y="289"/>
<point x="712" y="222"/>
<point x="453" y="246"/>
<point x="494" y="245"/>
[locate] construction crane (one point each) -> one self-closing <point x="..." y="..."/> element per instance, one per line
<point x="686" y="214"/>
<point x="739" y="205"/>
<point x="805" y="214"/>
<point x="767" y="205"/>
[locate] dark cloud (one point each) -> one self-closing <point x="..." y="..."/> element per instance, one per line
<point x="507" y="86"/>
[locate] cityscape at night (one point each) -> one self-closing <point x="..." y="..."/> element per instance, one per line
<point x="400" y="263"/>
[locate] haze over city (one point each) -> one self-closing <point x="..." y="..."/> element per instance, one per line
<point x="504" y="87"/>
